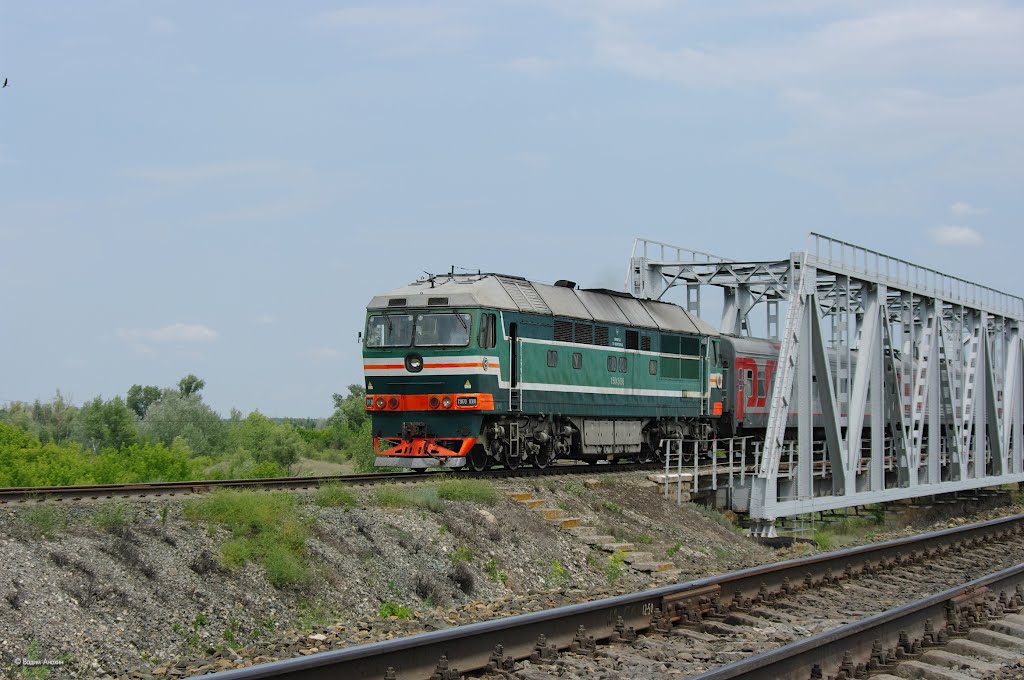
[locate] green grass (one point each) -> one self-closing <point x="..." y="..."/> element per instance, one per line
<point x="642" y="539"/>
<point x="674" y="548"/>
<point x="824" y="538"/>
<point x="394" y="496"/>
<point x="45" y="520"/>
<point x="576" y="489"/>
<point x="713" y="515"/>
<point x="494" y="574"/>
<point x="110" y="516"/>
<point x="612" y="507"/>
<point x="474" y="490"/>
<point x="334" y="496"/>
<point x="558" y="575"/>
<point x="389" y="608"/>
<point x="462" y="554"/>
<point x="616" y="567"/>
<point x="265" y="527"/>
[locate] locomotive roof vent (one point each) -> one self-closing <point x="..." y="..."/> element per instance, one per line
<point x="565" y="283"/>
<point x="437" y="301"/>
<point x="397" y="302"/>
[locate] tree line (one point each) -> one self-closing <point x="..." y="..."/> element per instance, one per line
<point x="166" y="434"/>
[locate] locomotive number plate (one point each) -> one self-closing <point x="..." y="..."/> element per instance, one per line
<point x="465" y="401"/>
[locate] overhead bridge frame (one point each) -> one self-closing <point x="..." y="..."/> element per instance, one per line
<point x="916" y="376"/>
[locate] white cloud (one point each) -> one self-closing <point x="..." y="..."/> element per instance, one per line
<point x="883" y="44"/>
<point x="174" y="333"/>
<point x="162" y="26"/>
<point x="962" y="208"/>
<point x="952" y="235"/>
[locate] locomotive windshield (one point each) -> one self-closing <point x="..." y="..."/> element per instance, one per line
<point x="389" y="330"/>
<point x="442" y="329"/>
<point x="430" y="330"/>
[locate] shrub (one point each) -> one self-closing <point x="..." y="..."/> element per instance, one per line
<point x="265" y="526"/>
<point x="110" y="516"/>
<point x="462" y="576"/>
<point x="45" y="520"/>
<point x="393" y="496"/>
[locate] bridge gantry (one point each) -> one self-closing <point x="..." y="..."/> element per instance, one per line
<point x="893" y="380"/>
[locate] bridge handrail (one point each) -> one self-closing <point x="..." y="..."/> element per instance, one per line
<point x="888" y="269"/>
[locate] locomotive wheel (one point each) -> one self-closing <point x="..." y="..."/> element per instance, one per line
<point x="478" y="460"/>
<point x="511" y="462"/>
<point x="543" y="459"/>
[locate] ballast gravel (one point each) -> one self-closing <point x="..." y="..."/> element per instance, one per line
<point x="152" y="599"/>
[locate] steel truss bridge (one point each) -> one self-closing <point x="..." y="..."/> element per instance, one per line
<point x="914" y="376"/>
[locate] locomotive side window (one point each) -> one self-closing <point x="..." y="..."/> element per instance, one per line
<point x="435" y="330"/>
<point x="689" y="345"/>
<point x="612" y="365"/>
<point x="389" y="330"/>
<point x="632" y="340"/>
<point x="653" y="367"/>
<point x="577" y="360"/>
<point x="487" y="337"/>
<point x="552" y="358"/>
<point x="622" y="364"/>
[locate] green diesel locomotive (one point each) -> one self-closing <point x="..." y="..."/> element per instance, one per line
<point x="488" y="369"/>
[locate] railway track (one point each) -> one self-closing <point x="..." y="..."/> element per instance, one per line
<point x="908" y="593"/>
<point x="96" y="491"/>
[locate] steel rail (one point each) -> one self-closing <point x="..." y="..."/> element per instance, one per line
<point x="94" y="491"/>
<point x="918" y="624"/>
<point x="471" y="647"/>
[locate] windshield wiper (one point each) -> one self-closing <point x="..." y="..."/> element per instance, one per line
<point x="462" y="321"/>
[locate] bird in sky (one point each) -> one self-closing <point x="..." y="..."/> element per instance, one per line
<point x="5" y="84"/>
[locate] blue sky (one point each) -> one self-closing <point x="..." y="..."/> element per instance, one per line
<point x="220" y="188"/>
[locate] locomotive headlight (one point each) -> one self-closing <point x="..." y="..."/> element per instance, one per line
<point x="434" y="402"/>
<point x="446" y="402"/>
<point x="393" y="402"/>
<point x="380" y="402"/>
